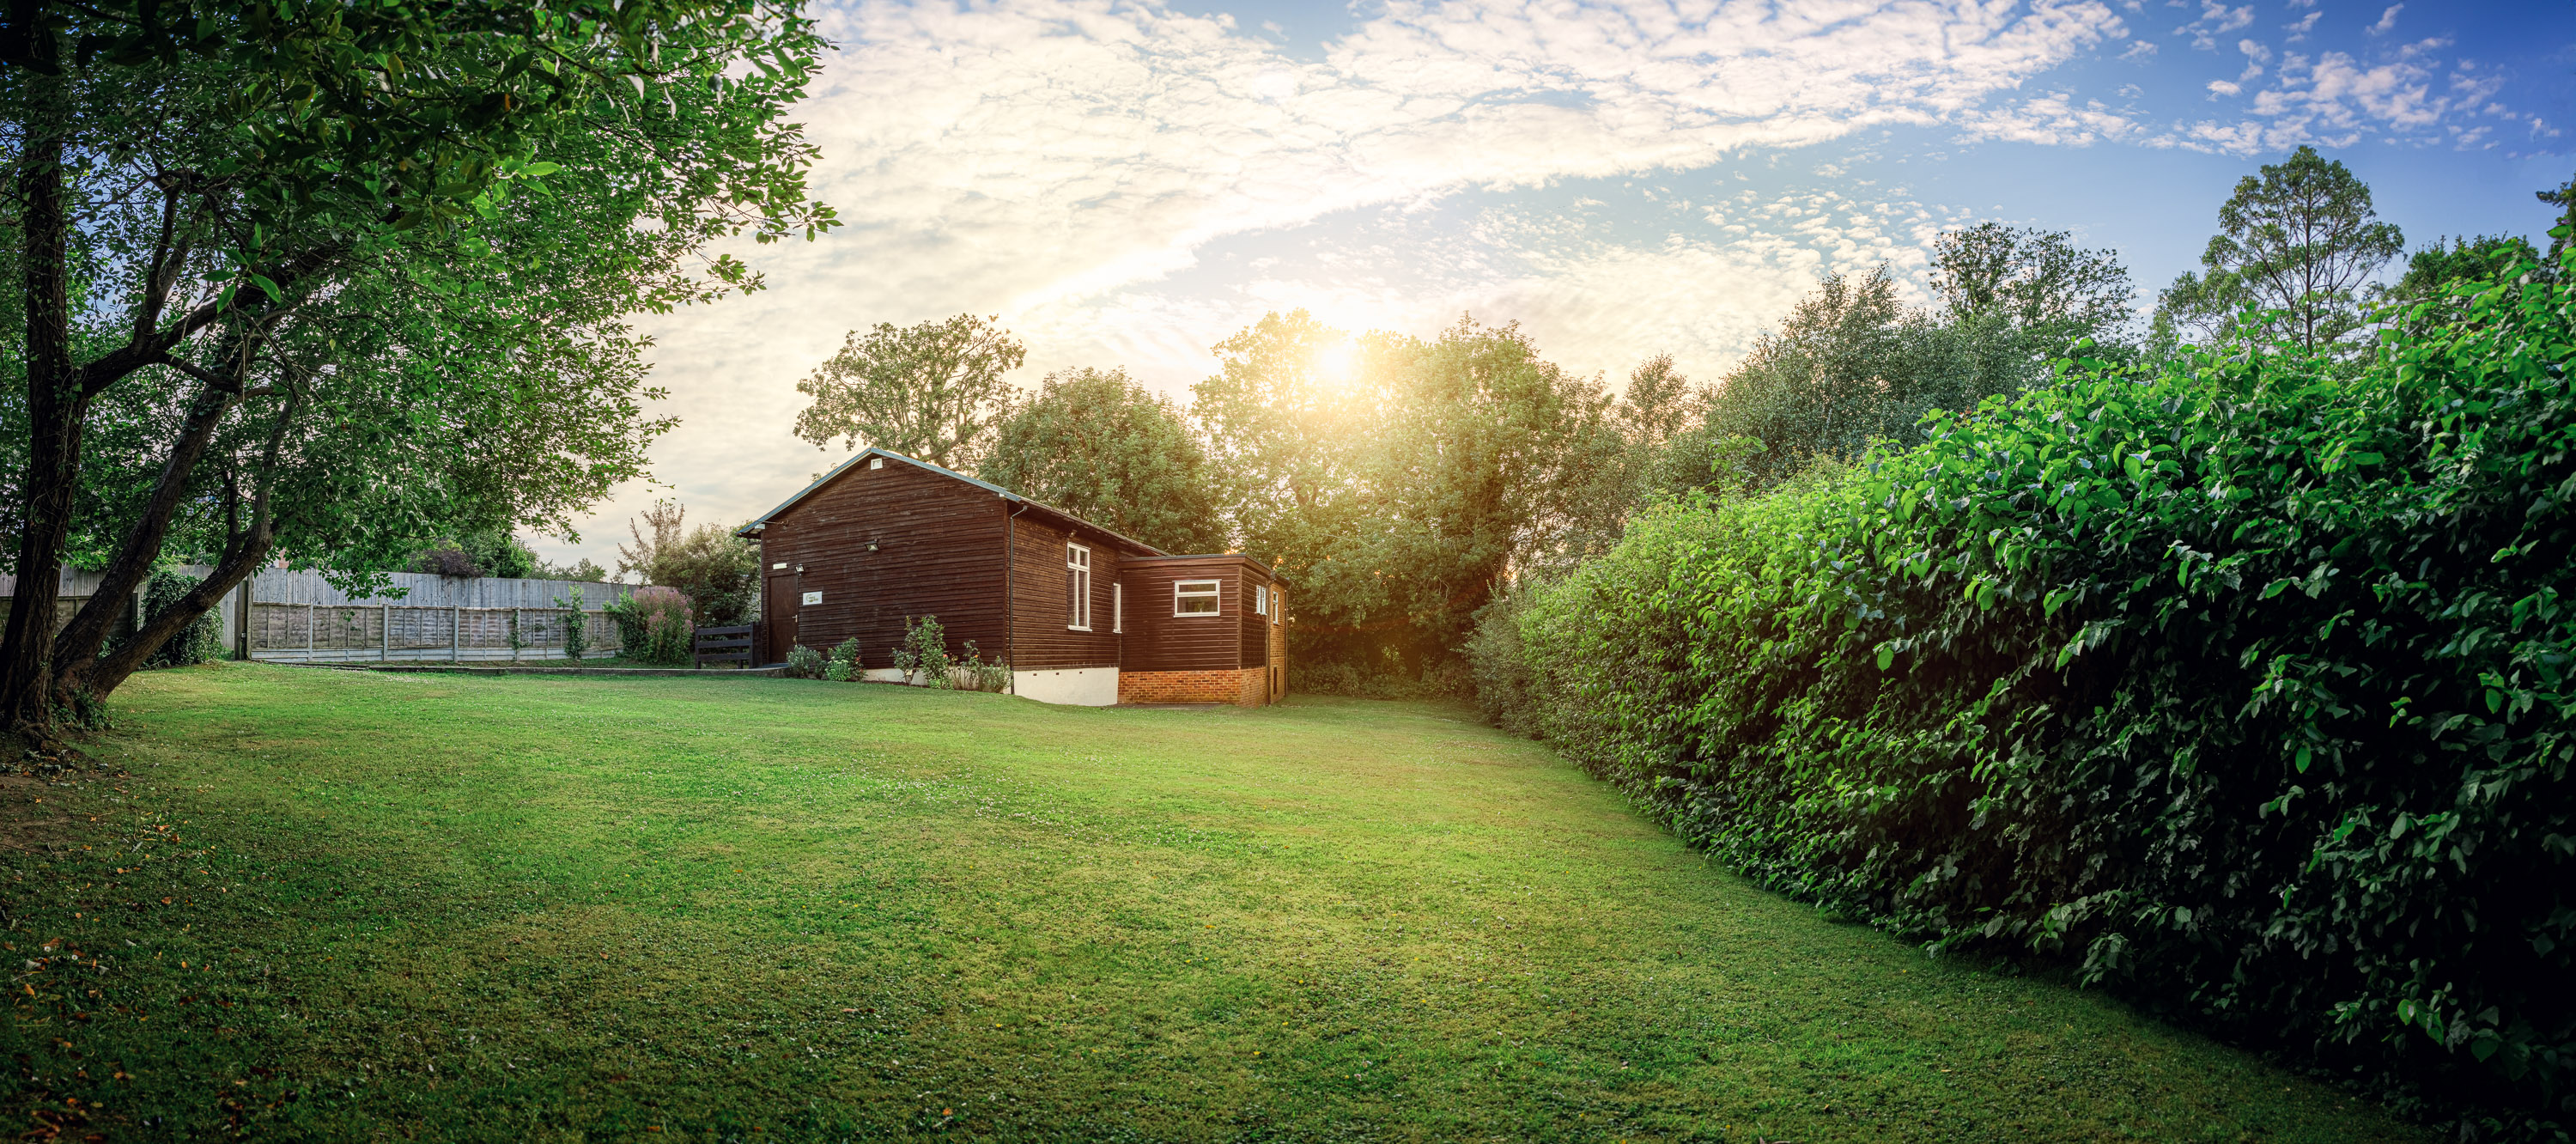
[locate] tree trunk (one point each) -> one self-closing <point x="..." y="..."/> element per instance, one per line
<point x="245" y="549"/>
<point x="56" y="405"/>
<point x="76" y="651"/>
<point x="103" y="674"/>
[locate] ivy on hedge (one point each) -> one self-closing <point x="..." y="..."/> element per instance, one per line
<point x="2242" y="685"/>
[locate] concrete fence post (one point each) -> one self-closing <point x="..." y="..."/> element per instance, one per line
<point x="385" y="650"/>
<point x="312" y="619"/>
<point x="455" y="635"/>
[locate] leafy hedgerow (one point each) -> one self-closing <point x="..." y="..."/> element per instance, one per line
<point x="2241" y="685"/>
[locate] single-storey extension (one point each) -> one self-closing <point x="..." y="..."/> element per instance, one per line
<point x="1082" y="614"/>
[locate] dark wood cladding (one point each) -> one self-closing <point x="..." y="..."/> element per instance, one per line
<point x="1157" y="640"/>
<point x="1256" y="624"/>
<point x="937" y="547"/>
<point x="1041" y="636"/>
<point x="886" y="539"/>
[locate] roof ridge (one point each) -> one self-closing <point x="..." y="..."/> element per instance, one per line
<point x="758" y="522"/>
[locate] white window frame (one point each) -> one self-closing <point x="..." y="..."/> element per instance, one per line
<point x="1260" y="599"/>
<point x="1215" y="595"/>
<point x="1077" y="563"/>
<point x="1117" y="608"/>
<point x="1278" y="607"/>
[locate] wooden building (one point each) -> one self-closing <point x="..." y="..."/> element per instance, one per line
<point x="1081" y="614"/>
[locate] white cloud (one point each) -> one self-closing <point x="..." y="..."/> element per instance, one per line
<point x="2387" y="20"/>
<point x="2215" y="20"/>
<point x="2336" y="99"/>
<point x="1058" y="163"/>
<point x="2256" y="55"/>
<point x="2053" y="119"/>
<point x="1125" y="184"/>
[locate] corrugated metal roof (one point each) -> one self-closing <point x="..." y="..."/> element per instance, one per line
<point x="763" y="519"/>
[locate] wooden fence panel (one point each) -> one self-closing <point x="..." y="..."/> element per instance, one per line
<point x="312" y="632"/>
<point x="297" y="616"/>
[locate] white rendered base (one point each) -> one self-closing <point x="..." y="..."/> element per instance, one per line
<point x="1078" y="687"/>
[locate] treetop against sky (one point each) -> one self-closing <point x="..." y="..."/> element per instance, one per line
<point x="1126" y="184"/>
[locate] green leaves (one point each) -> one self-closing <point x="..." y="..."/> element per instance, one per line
<point x="2241" y="685"/>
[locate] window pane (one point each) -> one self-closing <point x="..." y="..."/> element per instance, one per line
<point x="1194" y="598"/>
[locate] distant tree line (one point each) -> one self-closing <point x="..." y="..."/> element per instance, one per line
<point x="1400" y="483"/>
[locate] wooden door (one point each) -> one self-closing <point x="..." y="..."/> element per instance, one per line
<point x="778" y="598"/>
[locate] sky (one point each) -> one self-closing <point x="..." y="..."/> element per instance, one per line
<point x="1127" y="184"/>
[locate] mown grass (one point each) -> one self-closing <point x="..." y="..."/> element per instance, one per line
<point x="344" y="906"/>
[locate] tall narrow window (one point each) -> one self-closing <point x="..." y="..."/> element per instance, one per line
<point x="1194" y="598"/>
<point x="1278" y="607"/>
<point x="1118" y="607"/>
<point x="1077" y="587"/>
<point x="1260" y="600"/>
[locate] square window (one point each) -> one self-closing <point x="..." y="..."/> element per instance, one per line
<point x="1195" y="598"/>
<point x="876" y="462"/>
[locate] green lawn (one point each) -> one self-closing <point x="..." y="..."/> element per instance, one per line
<point x="348" y="906"/>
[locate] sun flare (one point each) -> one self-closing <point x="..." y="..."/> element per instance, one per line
<point x="1336" y="364"/>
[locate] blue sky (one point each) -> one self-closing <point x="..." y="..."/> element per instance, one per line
<point x="1127" y="183"/>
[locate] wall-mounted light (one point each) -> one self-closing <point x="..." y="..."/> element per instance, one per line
<point x="872" y="546"/>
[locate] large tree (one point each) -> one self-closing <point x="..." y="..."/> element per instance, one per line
<point x="330" y="279"/>
<point x="2299" y="238"/>
<point x="1396" y="482"/>
<point x="2435" y="271"/>
<point x="1286" y="420"/>
<point x="2039" y="281"/>
<point x="1097" y="444"/>
<point x="1852" y="363"/>
<point x="930" y="391"/>
<point x="1483" y="467"/>
<point x="1630" y="456"/>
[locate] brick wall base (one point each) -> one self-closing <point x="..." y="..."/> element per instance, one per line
<point x="1242" y="687"/>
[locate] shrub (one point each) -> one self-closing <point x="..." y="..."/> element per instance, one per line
<point x="718" y="571"/>
<point x="844" y="666"/>
<point x="654" y="626"/>
<point x="576" y="627"/>
<point x="2241" y="686"/>
<point x="804" y="663"/>
<point x="198" y="642"/>
<point x="1498" y="663"/>
<point x="1325" y="678"/>
<point x="983" y="676"/>
<point x="923" y="655"/>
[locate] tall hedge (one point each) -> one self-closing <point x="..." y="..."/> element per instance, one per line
<point x="2242" y="686"/>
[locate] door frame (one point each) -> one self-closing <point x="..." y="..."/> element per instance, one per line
<point x="775" y="643"/>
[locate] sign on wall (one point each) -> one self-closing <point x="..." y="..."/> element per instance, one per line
<point x="813" y="597"/>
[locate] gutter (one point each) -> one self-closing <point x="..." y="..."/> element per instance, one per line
<point x="1010" y="588"/>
